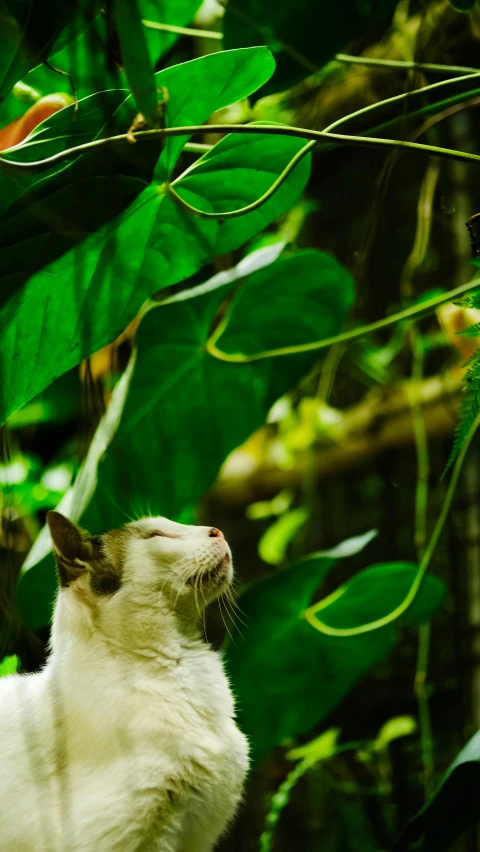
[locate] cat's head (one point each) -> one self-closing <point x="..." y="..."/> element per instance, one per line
<point x="148" y="561"/>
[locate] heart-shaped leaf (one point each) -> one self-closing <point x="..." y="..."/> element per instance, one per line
<point x="283" y="653"/>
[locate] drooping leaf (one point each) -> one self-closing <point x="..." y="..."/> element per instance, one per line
<point x="303" y="36"/>
<point x="239" y="170"/>
<point x="40" y="585"/>
<point x="452" y="809"/>
<point x="198" y="88"/>
<point x="136" y="58"/>
<point x="282" y="651"/>
<point x="210" y="406"/>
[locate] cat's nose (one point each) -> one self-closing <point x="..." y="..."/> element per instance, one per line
<point x="214" y="533"/>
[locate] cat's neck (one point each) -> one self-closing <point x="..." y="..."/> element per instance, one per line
<point x="159" y="636"/>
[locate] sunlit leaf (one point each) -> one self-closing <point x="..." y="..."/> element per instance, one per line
<point x="197" y="88"/>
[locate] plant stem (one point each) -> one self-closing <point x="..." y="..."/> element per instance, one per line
<point x="421" y="506"/>
<point x="241" y="211"/>
<point x="411" y="313"/>
<point x="309" y="614"/>
<point x="16" y="167"/>
<point x="405" y="64"/>
<point x="398" y="98"/>
<point x="188" y="31"/>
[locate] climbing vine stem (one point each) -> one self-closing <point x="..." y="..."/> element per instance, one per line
<point x="412" y="313"/>
<point x="310" y="613"/>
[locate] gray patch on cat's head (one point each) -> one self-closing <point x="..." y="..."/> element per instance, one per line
<point x="102" y="557"/>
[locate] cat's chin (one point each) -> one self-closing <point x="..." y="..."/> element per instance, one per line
<point x="215" y="580"/>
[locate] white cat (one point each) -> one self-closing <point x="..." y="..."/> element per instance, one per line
<point x="126" y="740"/>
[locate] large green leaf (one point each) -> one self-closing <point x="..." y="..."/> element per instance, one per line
<point x="186" y="410"/>
<point x="453" y="808"/>
<point x="302" y="35"/>
<point x="107" y="270"/>
<point x="281" y="654"/>
<point x="210" y="406"/>
<point x="239" y="170"/>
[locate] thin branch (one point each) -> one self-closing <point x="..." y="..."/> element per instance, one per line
<point x="38" y="166"/>
<point x="187" y="31"/>
<point x="405" y="64"/>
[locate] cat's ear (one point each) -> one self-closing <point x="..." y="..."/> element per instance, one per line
<point x="72" y="548"/>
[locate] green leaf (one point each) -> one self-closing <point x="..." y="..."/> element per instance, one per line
<point x="136" y="58"/>
<point x="108" y="276"/>
<point x="198" y="88"/>
<point x="36" y="589"/>
<point x="302" y="36"/>
<point x="319" y="280"/>
<point x="452" y="809"/>
<point x="30" y="31"/>
<point x="237" y="171"/>
<point x="210" y="406"/>
<point x="189" y="408"/>
<point x="284" y="653"/>
<point x="9" y="665"/>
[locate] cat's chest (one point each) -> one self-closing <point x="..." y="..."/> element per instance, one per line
<point x="190" y="718"/>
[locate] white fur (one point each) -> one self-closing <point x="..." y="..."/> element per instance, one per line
<point x="126" y="740"/>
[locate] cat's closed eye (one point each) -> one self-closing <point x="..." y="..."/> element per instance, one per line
<point x="163" y="534"/>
